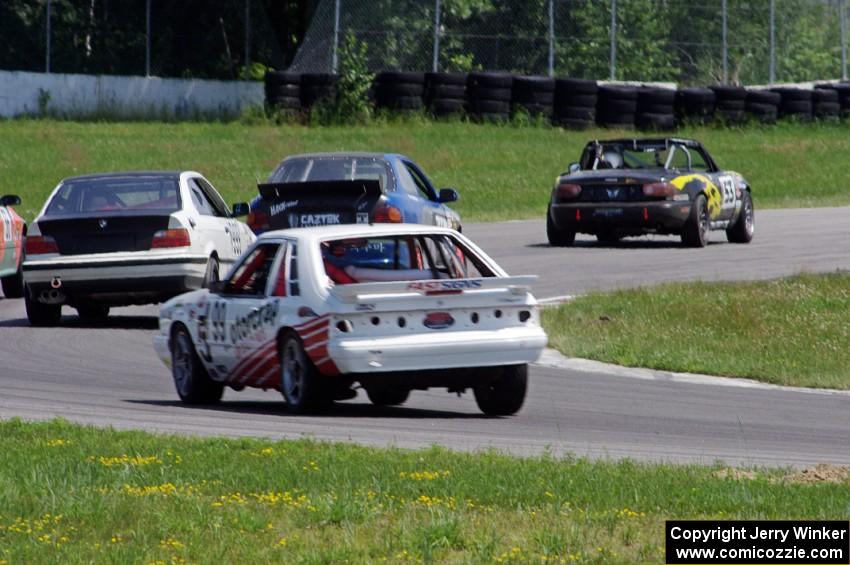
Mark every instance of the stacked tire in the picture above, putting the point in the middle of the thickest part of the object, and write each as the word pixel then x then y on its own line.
pixel 695 105
pixel 489 96
pixel 796 103
pixel 730 104
pixel 843 91
pixel 445 93
pixel 316 87
pixel 400 91
pixel 762 105
pixel 616 106
pixel 825 104
pixel 283 90
pixel 533 95
pixel 574 104
pixel 655 109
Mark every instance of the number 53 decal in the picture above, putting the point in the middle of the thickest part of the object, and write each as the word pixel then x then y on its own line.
pixel 727 187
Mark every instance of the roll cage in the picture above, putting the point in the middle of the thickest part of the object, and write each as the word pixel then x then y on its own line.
pixel 619 153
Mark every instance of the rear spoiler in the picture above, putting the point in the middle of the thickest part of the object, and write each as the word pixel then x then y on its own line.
pixel 289 190
pixel 487 285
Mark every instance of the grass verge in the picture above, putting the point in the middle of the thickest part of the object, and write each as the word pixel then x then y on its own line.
pixel 71 494
pixel 502 171
pixel 790 331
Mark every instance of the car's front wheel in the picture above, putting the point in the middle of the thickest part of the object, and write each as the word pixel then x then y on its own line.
pixel 558 237
pixel 380 396
pixel 193 383
pixel 695 233
pixel 504 394
pixel 745 226
pixel 40 314
pixel 304 388
pixel 13 285
pixel 93 313
pixel 211 275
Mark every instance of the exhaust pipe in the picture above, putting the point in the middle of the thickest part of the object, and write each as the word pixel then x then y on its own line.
pixel 56 282
pixel 52 296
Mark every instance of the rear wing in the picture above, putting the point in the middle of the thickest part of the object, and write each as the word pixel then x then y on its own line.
pixel 374 292
pixel 362 188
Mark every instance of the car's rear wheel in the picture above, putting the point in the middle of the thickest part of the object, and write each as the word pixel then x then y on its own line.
pixel 504 394
pixel 93 313
pixel 13 285
pixel 304 388
pixel 193 383
pixel 745 226
pixel 558 237
pixel 380 396
pixel 211 275
pixel 695 233
pixel 39 314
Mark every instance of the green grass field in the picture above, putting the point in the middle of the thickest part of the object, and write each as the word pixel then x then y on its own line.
pixel 502 172
pixel 791 331
pixel 72 494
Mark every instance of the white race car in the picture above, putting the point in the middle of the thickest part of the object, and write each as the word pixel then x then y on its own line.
pixel 313 311
pixel 127 238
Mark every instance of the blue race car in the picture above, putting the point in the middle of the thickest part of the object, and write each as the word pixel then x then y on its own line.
pixel 320 189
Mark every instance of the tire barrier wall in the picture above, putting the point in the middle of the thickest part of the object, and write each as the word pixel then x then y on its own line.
pixel 567 102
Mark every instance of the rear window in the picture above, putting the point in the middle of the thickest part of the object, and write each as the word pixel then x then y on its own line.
pixel 400 258
pixel 144 194
pixel 326 168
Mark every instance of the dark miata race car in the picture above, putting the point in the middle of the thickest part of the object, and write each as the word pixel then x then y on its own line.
pixel 626 187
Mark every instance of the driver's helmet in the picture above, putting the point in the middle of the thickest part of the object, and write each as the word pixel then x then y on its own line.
pixel 613 158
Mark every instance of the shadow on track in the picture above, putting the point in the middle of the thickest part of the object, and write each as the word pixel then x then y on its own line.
pixel 622 244
pixel 336 410
pixel 74 322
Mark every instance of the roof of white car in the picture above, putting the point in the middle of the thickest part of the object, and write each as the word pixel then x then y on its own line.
pixel 354 230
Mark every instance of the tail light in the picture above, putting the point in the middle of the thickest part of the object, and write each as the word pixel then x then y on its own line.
pixel 659 190
pixel 258 221
pixel 171 238
pixel 40 244
pixel 387 215
pixel 567 191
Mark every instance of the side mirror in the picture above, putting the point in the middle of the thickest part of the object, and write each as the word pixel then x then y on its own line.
pixel 448 195
pixel 574 168
pixel 240 209
pixel 10 200
pixel 218 287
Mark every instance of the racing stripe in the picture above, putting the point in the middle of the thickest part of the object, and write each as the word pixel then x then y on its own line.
pixel 263 366
pixel 249 360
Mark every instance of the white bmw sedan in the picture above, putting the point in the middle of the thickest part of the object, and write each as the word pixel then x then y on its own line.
pixel 127 238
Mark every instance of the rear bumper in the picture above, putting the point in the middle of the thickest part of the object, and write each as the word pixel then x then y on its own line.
pixel 444 350
pixel 629 217
pixel 116 280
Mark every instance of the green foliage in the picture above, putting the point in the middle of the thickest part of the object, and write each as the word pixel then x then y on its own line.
pixel 350 103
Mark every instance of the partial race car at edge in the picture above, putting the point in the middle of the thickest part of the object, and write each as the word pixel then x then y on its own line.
pixel 627 187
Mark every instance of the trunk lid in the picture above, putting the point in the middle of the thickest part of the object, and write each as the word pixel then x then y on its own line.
pixel 108 233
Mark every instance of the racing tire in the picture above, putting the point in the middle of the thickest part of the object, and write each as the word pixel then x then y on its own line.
pixel 505 394
pixel 491 107
pixel 489 79
pixel 211 275
pixel 42 315
pixel 13 285
pixel 435 78
pixel 566 87
pixel 304 388
pixel 656 122
pixel 451 91
pixel 744 227
pixel 575 123
pixel 490 93
pixel 558 237
pixel 695 233
pixel 191 380
pixel 577 100
pixel 387 396
pixel 93 313
pixel 577 113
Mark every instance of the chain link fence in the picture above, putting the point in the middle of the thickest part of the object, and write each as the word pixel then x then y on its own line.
pixel 720 41
pixel 165 38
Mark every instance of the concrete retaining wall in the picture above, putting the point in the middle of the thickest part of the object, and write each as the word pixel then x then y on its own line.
pixel 76 96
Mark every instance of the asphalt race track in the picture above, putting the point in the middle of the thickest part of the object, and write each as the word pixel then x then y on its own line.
pixel 110 376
